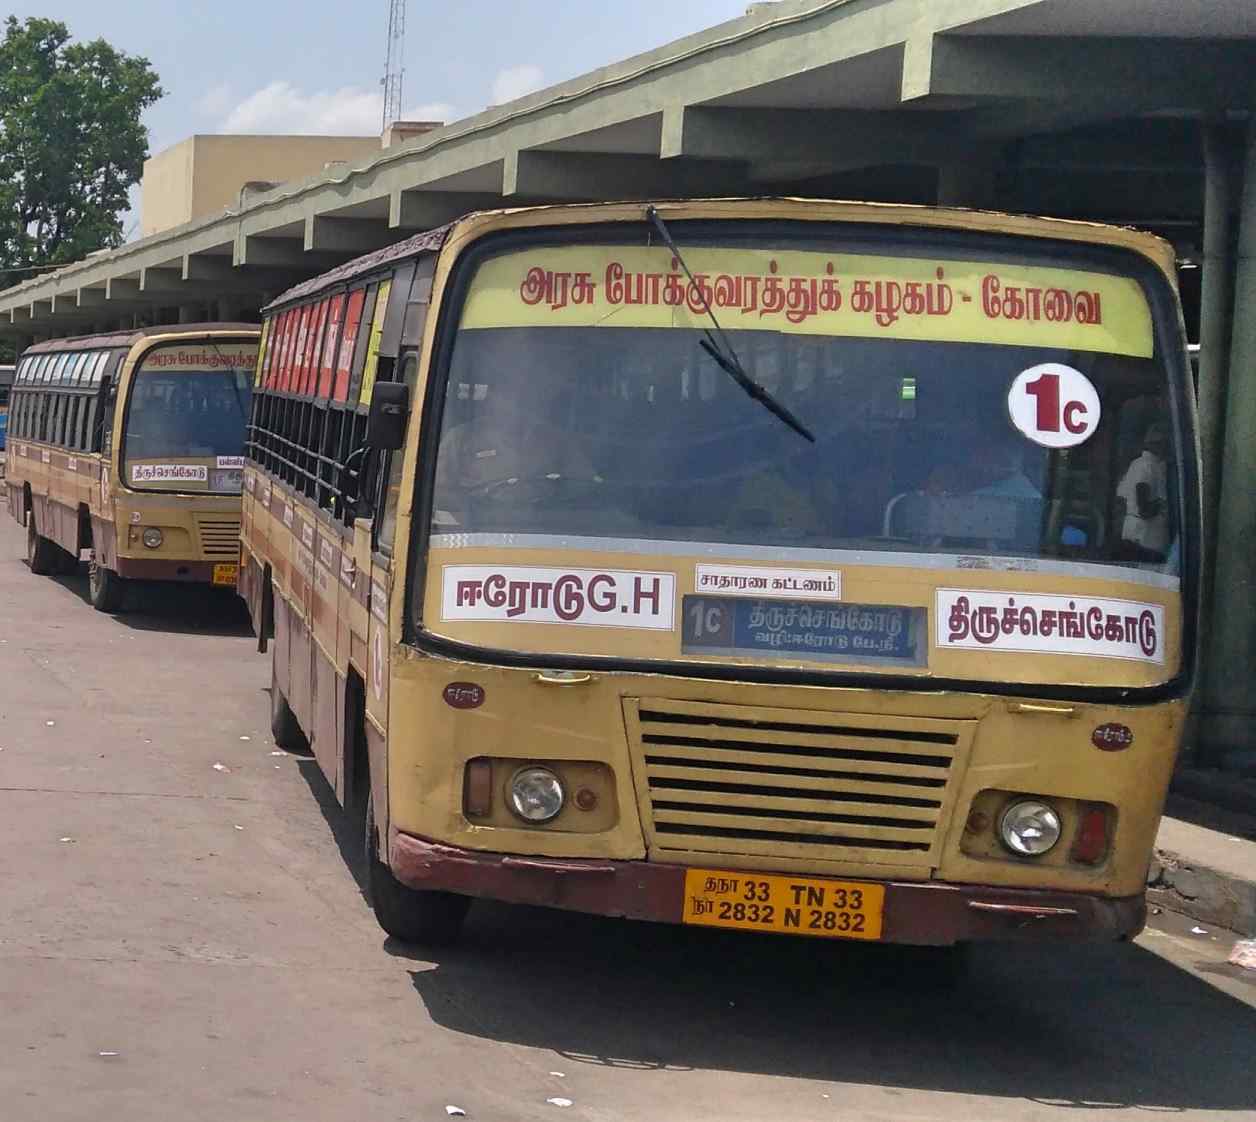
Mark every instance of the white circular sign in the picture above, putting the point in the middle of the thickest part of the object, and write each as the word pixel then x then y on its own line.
pixel 1054 405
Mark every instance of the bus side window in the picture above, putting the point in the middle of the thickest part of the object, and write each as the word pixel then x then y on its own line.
pixel 386 523
pixel 106 432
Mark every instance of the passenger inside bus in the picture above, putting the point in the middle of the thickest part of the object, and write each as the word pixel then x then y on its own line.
pixel 508 452
pixel 636 433
pixel 1143 494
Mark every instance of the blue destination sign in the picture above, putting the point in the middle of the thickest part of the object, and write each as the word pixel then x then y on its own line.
pixel 843 632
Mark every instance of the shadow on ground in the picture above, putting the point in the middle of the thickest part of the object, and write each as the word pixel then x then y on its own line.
pixel 186 609
pixel 347 829
pixel 1099 1026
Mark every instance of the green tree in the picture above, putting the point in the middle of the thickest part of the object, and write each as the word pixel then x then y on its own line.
pixel 71 144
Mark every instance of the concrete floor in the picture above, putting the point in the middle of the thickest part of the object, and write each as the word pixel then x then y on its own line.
pixel 183 942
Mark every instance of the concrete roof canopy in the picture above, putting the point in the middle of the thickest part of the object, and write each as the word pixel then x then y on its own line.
pixel 1062 107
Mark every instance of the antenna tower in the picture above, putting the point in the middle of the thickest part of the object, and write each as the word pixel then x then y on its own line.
pixel 394 62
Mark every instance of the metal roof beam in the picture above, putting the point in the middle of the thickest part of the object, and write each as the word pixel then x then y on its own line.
pixel 425 210
pixel 168 285
pixel 1109 76
pixel 354 236
pixel 782 142
pixel 274 252
pixel 124 290
pixel 578 176
pixel 216 272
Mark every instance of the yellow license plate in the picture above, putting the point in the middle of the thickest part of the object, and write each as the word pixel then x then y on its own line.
pixel 832 909
pixel 226 574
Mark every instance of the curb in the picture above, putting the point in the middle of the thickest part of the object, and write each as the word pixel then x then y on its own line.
pixel 1201 892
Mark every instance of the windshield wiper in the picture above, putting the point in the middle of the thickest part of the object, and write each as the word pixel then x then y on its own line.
pixel 718 346
pixel 235 388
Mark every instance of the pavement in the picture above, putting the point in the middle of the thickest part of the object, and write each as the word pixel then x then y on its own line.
pixel 183 936
pixel 1207 874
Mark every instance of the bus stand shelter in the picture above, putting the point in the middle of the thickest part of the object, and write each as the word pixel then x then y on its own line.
pixel 1136 112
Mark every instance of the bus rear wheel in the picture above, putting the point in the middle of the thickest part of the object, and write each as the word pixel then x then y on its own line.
pixel 106 589
pixel 41 553
pixel 411 915
pixel 285 729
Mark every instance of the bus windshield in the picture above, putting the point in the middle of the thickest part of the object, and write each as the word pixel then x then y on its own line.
pixel 185 418
pixel 998 438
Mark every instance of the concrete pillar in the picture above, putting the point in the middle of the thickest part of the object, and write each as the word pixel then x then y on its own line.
pixel 1221 193
pixel 1228 728
pixel 189 313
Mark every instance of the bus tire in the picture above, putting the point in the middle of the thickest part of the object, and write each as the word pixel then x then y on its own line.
pixel 411 915
pixel 105 588
pixel 285 729
pixel 41 552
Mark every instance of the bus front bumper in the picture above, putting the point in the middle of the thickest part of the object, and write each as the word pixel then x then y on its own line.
pixel 173 569
pixel 926 912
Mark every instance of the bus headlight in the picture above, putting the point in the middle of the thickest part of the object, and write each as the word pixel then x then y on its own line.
pixel 536 794
pixel 1029 828
pixel 152 537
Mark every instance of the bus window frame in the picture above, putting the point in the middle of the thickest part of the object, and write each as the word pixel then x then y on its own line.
pixel 136 358
pixel 853 238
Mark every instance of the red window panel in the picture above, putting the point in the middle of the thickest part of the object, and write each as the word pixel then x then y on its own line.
pixel 331 337
pixel 274 343
pixel 298 349
pixel 275 380
pixel 344 361
pixel 313 337
pixel 272 352
pixel 278 345
pixel 318 319
pixel 283 362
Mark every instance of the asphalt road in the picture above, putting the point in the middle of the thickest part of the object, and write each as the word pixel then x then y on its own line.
pixel 183 940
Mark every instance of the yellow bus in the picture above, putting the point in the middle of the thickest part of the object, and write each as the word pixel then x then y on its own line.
pixel 799 567
pixel 130 445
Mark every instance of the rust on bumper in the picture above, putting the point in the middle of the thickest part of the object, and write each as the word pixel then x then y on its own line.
pixel 153 568
pixel 927 912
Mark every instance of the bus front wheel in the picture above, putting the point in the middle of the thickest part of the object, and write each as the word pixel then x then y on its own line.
pixel 413 916
pixel 41 552
pixel 106 589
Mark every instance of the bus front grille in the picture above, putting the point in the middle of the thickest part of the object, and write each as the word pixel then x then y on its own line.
pixel 220 537
pixel 796 784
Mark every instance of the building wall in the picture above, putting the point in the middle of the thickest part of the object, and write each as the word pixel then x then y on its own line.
pixel 203 175
pixel 166 189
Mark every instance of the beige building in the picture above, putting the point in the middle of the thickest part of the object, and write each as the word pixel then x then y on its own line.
pixel 203 175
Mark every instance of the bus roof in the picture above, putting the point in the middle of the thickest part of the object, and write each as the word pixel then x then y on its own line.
pixel 791 209
pixel 428 241
pixel 126 338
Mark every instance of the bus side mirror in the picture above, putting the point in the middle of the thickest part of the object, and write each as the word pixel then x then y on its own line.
pixel 386 422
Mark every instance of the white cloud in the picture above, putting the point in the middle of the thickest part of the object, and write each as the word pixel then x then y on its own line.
pixel 517 81
pixel 281 107
pixel 216 100
pixel 432 111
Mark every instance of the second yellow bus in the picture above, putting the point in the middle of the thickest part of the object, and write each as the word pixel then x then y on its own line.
pixel 130 445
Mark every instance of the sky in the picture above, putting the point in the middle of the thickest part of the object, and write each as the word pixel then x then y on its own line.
pixel 313 66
